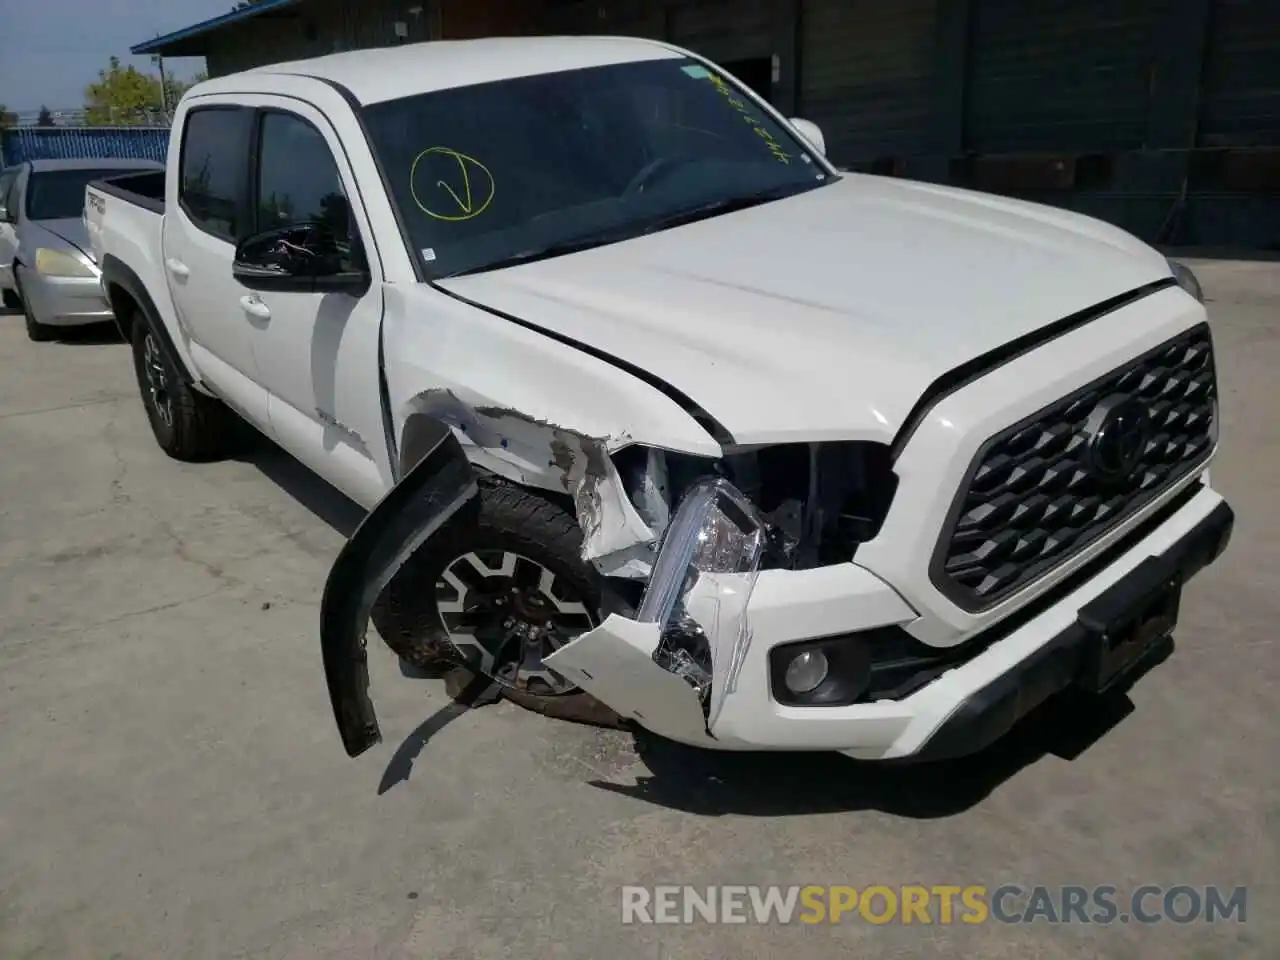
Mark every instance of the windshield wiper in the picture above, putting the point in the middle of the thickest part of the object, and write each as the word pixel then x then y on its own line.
pixel 716 208
pixel 572 245
pixel 640 228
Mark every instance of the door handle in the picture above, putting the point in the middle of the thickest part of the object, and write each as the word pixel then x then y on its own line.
pixel 255 307
pixel 178 268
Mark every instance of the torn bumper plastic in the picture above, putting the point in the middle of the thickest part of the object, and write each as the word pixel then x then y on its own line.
pixel 440 486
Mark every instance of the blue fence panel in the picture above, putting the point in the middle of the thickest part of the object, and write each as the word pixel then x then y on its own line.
pixel 19 144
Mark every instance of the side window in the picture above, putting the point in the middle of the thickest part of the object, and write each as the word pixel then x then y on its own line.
pixel 298 180
pixel 215 151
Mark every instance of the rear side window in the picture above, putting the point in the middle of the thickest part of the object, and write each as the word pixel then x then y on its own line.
pixel 215 165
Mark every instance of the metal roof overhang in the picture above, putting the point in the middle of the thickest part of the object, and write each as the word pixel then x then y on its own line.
pixel 193 41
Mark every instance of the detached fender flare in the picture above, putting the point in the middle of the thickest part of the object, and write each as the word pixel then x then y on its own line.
pixel 116 272
pixel 440 487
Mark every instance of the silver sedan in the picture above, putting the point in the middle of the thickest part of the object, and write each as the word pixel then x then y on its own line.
pixel 46 263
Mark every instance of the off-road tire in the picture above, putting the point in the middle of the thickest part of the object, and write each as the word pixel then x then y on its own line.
pixel 509 518
pixel 201 428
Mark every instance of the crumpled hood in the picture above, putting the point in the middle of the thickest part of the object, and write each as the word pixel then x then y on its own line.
pixel 71 231
pixel 825 315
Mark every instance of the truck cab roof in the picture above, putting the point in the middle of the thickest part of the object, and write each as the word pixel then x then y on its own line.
pixel 388 73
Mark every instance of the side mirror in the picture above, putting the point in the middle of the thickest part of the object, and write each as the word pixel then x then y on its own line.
pixel 301 258
pixel 811 132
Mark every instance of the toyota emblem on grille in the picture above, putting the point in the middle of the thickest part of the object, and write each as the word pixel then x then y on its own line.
pixel 1118 430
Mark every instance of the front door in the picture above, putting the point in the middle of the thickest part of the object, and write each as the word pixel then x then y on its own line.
pixel 318 353
pixel 206 212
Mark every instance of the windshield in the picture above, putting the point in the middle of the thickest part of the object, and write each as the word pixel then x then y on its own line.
pixel 59 194
pixel 503 172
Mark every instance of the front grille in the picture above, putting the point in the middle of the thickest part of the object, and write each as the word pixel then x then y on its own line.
pixel 1033 497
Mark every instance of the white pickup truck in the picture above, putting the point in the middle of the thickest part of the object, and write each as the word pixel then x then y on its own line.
pixel 654 408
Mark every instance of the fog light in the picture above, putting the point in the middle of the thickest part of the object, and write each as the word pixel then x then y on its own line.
pixel 805 671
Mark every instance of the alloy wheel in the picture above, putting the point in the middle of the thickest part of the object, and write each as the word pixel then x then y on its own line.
pixel 504 613
pixel 157 380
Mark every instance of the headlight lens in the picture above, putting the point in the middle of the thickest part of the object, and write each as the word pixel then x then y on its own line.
pixel 56 263
pixel 1186 279
pixel 703 578
pixel 715 530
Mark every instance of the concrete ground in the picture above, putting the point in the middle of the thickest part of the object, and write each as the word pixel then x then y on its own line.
pixel 172 785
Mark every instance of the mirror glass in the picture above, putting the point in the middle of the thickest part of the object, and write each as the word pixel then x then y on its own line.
pixel 304 250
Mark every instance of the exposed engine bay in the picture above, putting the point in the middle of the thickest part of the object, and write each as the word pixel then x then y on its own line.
pixel 817 500
pixel 792 506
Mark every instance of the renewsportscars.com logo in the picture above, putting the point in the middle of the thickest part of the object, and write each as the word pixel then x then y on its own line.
pixel 939 904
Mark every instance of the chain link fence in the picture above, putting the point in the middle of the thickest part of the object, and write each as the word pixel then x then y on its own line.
pixel 66 141
pixel 82 117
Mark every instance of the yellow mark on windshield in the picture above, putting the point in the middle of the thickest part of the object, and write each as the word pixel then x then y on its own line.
pixel 744 111
pixel 463 188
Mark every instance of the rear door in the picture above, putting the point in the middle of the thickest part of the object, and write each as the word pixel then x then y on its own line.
pixel 207 210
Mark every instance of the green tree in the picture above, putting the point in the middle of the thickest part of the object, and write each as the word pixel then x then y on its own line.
pixel 174 89
pixel 7 117
pixel 122 95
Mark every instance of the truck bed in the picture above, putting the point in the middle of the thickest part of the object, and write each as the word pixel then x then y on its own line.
pixel 124 217
pixel 146 189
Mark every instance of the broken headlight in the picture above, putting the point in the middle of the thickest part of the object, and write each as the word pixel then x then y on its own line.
pixel 700 586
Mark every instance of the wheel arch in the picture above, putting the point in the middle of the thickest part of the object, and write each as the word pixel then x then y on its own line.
pixel 128 297
pixel 566 467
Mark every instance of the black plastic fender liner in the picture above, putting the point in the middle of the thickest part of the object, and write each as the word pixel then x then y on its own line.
pixel 118 273
pixel 439 487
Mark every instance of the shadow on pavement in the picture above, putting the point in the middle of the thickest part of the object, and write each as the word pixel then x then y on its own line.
pixel 92 334
pixel 326 503
pixel 789 784
pixel 467 691
pixel 785 784
pixel 779 784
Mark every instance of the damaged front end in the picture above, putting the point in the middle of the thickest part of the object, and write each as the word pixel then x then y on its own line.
pixel 691 622
pixel 440 487
pixel 680 539
pixel 786 507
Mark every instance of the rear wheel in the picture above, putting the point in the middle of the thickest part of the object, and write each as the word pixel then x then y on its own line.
pixel 186 424
pixel 498 597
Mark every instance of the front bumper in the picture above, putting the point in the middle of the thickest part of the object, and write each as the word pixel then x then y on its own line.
pixel 65 301
pixel 960 711
pixel 987 714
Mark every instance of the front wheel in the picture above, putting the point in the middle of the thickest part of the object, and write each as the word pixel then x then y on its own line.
pixel 499 596
pixel 37 332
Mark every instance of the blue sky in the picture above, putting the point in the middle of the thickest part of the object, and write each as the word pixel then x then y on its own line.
pixel 51 49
